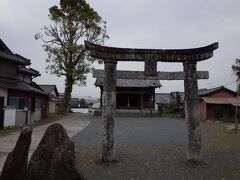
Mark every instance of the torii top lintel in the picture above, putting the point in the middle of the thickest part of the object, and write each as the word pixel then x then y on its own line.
pixel 164 55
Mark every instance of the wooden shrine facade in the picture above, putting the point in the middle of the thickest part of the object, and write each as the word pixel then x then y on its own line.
pixel 135 98
pixel 189 59
pixel 132 93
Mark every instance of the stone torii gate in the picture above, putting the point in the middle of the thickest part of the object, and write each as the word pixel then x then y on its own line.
pixel 189 58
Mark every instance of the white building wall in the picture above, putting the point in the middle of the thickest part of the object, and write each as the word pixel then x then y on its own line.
pixel 9 117
pixel 156 106
pixel 52 106
pixel 53 94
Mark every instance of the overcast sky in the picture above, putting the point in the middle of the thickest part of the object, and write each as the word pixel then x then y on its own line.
pixel 137 24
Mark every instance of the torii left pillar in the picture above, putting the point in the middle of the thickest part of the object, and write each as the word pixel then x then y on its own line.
pixel 108 111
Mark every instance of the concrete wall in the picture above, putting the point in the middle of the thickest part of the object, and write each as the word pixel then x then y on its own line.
pixel 20 118
pixel 3 93
pixel 52 106
pixel 36 116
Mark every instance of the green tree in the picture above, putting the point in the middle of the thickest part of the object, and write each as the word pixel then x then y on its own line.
pixel 236 70
pixel 72 22
pixel 178 99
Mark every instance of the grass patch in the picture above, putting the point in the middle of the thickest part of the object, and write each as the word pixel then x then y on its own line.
pixel 233 131
pixel 170 115
pixel 89 156
pixel 51 118
pixel 219 136
pixel 4 132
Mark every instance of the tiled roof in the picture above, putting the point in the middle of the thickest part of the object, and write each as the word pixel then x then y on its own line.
pixel 15 58
pixel 3 47
pixel 16 84
pixel 232 101
pixel 166 98
pixel 49 88
pixel 29 71
pixel 205 92
pixel 7 54
pixel 132 83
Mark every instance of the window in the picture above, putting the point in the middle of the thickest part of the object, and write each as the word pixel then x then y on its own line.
pixel 17 102
pixel 35 104
pixel 21 103
pixel 13 102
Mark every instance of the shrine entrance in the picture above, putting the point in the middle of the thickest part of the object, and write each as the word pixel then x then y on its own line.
pixel 190 75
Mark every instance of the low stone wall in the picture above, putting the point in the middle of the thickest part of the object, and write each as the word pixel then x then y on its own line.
pixel 20 118
pixel 36 116
pixel 129 112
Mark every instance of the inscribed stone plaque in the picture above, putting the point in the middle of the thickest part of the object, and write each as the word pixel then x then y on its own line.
pixel 150 68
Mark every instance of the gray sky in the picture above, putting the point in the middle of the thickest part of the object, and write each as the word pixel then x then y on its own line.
pixel 137 24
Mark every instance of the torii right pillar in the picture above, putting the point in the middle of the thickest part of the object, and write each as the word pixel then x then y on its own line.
pixel 194 143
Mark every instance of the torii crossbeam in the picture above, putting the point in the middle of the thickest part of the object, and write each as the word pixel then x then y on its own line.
pixel 189 58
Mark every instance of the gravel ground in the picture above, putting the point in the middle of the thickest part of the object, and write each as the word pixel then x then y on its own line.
pixel 160 162
pixel 140 131
pixel 154 148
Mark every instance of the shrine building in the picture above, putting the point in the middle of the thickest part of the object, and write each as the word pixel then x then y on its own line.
pixel 133 93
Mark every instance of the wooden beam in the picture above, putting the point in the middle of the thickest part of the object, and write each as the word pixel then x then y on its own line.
pixel 164 55
pixel 97 73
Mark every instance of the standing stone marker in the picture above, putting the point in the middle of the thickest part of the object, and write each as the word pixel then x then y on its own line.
pixel 54 158
pixel 15 166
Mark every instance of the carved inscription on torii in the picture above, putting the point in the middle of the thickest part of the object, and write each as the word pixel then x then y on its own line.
pixel 189 58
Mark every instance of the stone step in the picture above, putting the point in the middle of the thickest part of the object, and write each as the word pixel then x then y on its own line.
pixel 130 113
